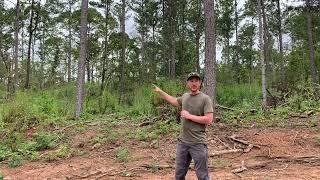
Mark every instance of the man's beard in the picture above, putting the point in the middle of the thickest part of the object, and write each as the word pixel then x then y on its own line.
pixel 194 89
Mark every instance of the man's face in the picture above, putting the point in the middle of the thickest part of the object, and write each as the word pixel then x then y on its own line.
pixel 194 84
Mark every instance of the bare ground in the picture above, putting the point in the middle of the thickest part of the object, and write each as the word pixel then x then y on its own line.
pixel 283 153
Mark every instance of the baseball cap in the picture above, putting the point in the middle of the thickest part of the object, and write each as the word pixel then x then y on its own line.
pixel 193 74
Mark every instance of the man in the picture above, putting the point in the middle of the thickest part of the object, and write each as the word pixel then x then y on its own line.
pixel 196 114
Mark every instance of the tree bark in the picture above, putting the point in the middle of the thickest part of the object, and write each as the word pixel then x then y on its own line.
pixel 31 38
pixel 210 49
pixel 314 72
pixel 183 34
pixel 123 50
pixel 69 44
pixel 83 56
pixel 16 45
pixel 105 60
pixel 172 27
pixel 26 86
pixel 262 56
pixel 143 39
pixel 198 34
pixel 265 39
pixel 88 55
pixel 282 75
pixel 42 57
pixel 237 63
pixel 154 62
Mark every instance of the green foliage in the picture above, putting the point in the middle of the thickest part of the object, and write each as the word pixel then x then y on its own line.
pixel 241 95
pixel 141 135
pixel 63 151
pixel 155 166
pixel 142 100
pixel 112 137
pixel 15 160
pixel 4 152
pixel 107 102
pixel 122 154
pixel 18 115
pixel 314 123
pixel 303 99
pixel 45 140
pixel 13 140
pixel 162 128
pixel 109 137
pixel 317 138
pixel 96 103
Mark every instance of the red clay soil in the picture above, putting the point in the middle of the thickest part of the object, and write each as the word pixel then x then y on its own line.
pixel 283 154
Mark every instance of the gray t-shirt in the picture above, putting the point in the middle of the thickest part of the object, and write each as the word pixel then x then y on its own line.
pixel 199 105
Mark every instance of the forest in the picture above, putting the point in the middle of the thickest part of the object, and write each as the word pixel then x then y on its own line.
pixel 76 86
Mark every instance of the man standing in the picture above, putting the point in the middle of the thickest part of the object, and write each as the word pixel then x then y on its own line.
pixel 196 114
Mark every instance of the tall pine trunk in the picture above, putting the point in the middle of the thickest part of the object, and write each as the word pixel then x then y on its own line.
pixel 210 49
pixel 265 40
pixel 282 75
pixel 16 45
pixel 313 69
pixel 143 52
pixel 26 86
pixel 198 34
pixel 105 57
pixel 237 63
pixel 123 50
pixel 262 56
pixel 172 29
pixel 83 56
pixel 69 44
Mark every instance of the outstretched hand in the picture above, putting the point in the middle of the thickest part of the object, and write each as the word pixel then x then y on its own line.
pixel 156 89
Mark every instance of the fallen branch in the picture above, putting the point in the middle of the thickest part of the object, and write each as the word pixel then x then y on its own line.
pixel 286 166
pixel 254 166
pixel 88 175
pixel 66 127
pixel 112 114
pixel 248 148
pixel 233 138
pixel 168 166
pixel 152 121
pixel 299 159
pixel 294 159
pixel 299 115
pixel 116 173
pixel 217 153
pixel 223 107
pixel 150 166
pixel 226 145
pixel 241 169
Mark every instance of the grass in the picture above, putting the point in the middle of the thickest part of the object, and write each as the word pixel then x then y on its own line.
pixel 52 109
pixel 122 154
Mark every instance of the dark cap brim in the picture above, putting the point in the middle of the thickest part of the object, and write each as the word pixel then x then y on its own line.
pixel 193 77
